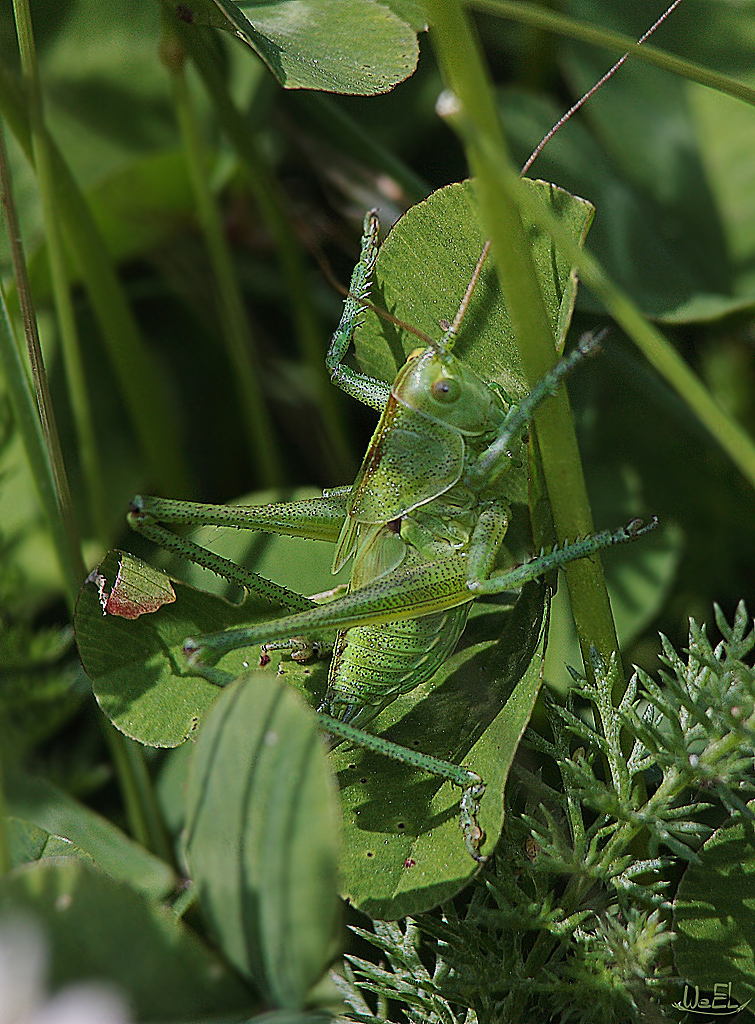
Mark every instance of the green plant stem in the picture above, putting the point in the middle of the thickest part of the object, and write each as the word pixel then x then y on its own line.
pixel 142 809
pixel 36 420
pixel 271 206
pixel 135 369
pixel 237 335
pixel 72 358
pixel 540 17
pixel 461 63
pixel 738 445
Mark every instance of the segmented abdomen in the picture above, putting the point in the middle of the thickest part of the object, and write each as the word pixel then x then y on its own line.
pixel 374 664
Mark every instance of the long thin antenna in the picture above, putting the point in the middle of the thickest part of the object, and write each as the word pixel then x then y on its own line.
pixel 447 342
pixel 449 337
pixel 583 99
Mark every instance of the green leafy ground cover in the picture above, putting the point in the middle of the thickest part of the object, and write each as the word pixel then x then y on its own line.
pixel 205 189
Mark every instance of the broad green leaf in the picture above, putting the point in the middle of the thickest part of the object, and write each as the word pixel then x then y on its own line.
pixel 139 678
pixel 726 134
pixel 359 47
pixel 28 843
pixel 127 660
pixel 653 246
pixel 410 11
pixel 262 835
pixel 101 929
pixel 50 809
pixel 668 246
pixel 137 667
pixel 403 850
pixel 447 717
pixel 714 914
pixel 424 267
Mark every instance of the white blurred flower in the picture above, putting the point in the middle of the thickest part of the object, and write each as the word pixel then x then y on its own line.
pixel 23 997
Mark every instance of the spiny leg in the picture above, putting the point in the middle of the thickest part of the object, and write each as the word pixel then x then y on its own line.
pixel 368 390
pixel 314 518
pixel 424 588
pixel 471 785
pixel 569 551
pixel 495 460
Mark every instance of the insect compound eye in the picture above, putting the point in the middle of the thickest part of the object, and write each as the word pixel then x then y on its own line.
pixel 446 390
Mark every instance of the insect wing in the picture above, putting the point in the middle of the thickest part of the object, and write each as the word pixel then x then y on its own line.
pixel 411 460
pixel 379 553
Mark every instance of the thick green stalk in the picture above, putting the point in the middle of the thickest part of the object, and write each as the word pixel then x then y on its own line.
pixel 237 334
pixel 71 348
pixel 461 63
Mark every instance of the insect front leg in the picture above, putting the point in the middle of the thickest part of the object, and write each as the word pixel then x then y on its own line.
pixel 493 462
pixel 569 551
pixel 368 390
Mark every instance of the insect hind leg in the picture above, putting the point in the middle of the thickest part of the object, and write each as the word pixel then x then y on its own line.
pixel 471 785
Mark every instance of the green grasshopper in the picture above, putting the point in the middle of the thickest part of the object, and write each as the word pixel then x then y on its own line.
pixel 423 524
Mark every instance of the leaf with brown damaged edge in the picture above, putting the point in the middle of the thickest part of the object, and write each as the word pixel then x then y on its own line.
pixel 139 589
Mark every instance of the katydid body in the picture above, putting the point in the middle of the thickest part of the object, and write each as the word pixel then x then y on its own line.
pixel 423 523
